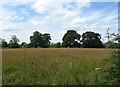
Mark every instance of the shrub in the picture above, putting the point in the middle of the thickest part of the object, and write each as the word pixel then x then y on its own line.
pixel 113 77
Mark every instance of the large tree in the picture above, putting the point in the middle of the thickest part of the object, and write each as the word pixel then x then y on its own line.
pixel 46 40
pixel 36 40
pixel 91 40
pixel 71 39
pixel 40 40
pixel 14 42
pixel 3 43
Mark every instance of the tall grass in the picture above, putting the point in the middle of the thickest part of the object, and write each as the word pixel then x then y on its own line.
pixel 53 66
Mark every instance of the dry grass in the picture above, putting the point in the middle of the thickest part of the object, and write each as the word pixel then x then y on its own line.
pixel 53 65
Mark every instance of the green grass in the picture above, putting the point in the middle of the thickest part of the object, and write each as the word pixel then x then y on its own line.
pixel 54 66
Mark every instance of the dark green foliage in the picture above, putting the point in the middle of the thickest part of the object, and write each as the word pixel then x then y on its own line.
pixel 36 40
pixel 52 45
pixel 114 72
pixel 117 38
pixel 29 45
pixel 71 39
pixel 13 42
pixel 23 45
pixel 56 45
pixel 3 43
pixel 91 40
pixel 46 40
pixel 13 45
pixel 40 40
pixel 114 41
pixel 112 44
pixel 113 77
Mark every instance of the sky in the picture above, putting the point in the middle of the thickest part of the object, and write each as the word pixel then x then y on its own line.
pixel 23 17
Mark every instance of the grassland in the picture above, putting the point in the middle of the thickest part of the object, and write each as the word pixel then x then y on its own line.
pixel 54 66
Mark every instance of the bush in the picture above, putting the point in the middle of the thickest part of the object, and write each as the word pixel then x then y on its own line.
pixel 113 77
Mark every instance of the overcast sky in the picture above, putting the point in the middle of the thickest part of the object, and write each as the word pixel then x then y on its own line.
pixel 23 17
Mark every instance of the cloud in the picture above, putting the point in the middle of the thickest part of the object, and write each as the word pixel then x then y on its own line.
pixel 58 15
pixel 24 17
pixel 61 12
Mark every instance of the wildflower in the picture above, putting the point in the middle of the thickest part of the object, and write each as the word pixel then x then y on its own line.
pixel 96 69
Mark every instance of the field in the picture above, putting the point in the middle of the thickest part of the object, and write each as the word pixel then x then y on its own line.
pixel 53 66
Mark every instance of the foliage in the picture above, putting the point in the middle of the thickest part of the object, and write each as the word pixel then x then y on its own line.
pixel 113 77
pixel 46 40
pixel 114 40
pixel 91 40
pixel 110 44
pixel 71 39
pixel 13 42
pixel 23 45
pixel 36 40
pixel 40 40
pixel 3 43
pixel 0 43
pixel 56 45
pixel 114 71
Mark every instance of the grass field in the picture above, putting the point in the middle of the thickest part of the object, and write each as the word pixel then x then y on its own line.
pixel 53 66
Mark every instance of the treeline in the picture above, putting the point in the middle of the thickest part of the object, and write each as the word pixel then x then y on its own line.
pixel 71 39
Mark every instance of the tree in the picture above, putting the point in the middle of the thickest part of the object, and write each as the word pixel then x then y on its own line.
pixel 117 38
pixel 108 34
pixel 112 38
pixel 56 45
pixel 36 40
pixel 113 76
pixel 29 45
pixel 52 45
pixel 71 39
pixel 113 41
pixel 14 42
pixel 23 45
pixel 0 43
pixel 113 73
pixel 91 40
pixel 40 40
pixel 3 43
pixel 46 40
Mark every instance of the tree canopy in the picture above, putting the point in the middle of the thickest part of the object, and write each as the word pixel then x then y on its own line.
pixel 71 39
pixel 91 40
pixel 14 42
pixel 23 45
pixel 40 40
pixel 3 43
pixel 56 45
pixel 46 40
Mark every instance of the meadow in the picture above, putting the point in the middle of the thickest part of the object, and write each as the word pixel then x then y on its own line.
pixel 54 66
